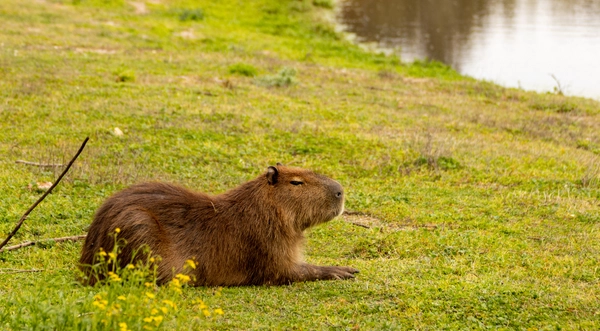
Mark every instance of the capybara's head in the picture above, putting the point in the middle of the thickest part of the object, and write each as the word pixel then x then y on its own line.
pixel 305 196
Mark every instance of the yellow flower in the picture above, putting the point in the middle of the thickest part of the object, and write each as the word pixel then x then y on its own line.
pixel 157 320
pixel 183 278
pixel 164 310
pixel 122 297
pixel 175 283
pixel 114 277
pixel 101 304
pixel 148 284
pixel 219 311
pixel 112 255
pixel 102 253
pixel 152 259
pixel 150 295
pixel 206 313
pixel 147 319
pixel 123 326
pixel 170 303
pixel 130 266
pixel 153 311
pixel 203 306
pixel 191 264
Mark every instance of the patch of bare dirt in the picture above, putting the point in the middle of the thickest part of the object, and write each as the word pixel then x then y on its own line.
pixel 367 221
pixel 95 50
pixel 140 7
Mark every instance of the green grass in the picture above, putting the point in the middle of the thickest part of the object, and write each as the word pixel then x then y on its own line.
pixel 482 202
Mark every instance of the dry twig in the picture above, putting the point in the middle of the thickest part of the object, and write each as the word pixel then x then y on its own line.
pixel 355 223
pixel 31 243
pixel 41 165
pixel 18 226
pixel 17 271
pixel 358 213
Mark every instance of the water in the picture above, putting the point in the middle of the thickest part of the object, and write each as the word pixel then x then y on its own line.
pixel 534 44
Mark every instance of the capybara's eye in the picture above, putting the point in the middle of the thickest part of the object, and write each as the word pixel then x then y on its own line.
pixel 295 182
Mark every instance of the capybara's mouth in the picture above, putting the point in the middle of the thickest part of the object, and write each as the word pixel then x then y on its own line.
pixel 339 211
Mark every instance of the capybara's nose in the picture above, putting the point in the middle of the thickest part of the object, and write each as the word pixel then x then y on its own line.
pixel 337 190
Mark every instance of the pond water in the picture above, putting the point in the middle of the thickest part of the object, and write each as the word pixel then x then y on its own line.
pixel 534 44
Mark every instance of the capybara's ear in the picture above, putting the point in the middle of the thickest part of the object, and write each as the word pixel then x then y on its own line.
pixel 279 164
pixel 272 174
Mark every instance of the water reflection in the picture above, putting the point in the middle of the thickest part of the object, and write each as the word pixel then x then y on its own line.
pixel 512 42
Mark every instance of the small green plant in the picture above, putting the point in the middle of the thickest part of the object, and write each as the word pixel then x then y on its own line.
pixel 374 248
pixel 196 14
pixel 285 77
pixel 326 30
pixel 323 3
pixel 99 3
pixel 128 298
pixel 124 76
pixel 243 70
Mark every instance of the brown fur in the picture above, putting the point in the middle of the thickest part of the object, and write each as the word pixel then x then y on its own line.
pixel 250 235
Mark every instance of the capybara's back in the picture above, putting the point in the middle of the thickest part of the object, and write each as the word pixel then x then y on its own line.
pixel 250 235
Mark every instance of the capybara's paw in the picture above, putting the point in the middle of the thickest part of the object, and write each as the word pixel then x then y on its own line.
pixel 350 270
pixel 341 272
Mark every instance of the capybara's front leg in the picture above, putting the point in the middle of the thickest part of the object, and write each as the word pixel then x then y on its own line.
pixel 309 272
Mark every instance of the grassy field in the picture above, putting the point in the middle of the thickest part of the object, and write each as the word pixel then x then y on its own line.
pixel 481 203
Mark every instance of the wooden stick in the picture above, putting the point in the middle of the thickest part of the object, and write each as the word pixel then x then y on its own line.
pixel 31 243
pixel 357 213
pixel 18 226
pixel 16 271
pixel 353 223
pixel 42 165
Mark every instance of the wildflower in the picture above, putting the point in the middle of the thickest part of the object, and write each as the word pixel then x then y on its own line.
pixel 122 297
pixel 113 276
pixel 206 313
pixel 117 230
pixel 152 259
pixel 101 304
pixel 164 310
pixel 191 264
pixel 147 284
pixel 176 285
pixel 130 266
pixel 112 255
pixel 123 326
pixel 170 303
pixel 219 311
pixel 150 295
pixel 114 310
pixel 156 319
pixel 183 278
pixel 102 252
pixel 153 311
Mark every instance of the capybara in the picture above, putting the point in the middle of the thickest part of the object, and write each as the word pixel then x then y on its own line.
pixel 250 235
